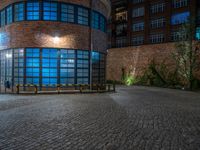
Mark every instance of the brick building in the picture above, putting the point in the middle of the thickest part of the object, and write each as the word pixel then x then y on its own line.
pixel 141 30
pixel 53 42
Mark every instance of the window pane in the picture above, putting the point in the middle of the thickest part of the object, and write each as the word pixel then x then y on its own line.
pixel 180 18
pixel 9 12
pixel 50 11
pixel 83 16
pixel 95 20
pixel 3 17
pixel 67 13
pixel 33 11
pixel 19 12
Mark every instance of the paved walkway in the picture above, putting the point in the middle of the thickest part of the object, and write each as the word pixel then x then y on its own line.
pixel 134 118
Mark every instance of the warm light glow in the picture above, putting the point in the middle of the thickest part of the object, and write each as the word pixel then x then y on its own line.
pixel 56 39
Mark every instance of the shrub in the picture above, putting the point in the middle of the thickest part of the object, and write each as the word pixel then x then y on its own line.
pixel 130 80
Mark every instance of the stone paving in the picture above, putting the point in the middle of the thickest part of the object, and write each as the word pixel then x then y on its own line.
pixel 134 118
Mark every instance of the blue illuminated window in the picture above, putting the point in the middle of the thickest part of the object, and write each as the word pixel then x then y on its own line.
pixel 95 20
pixel 95 56
pixel 67 13
pixel 32 72
pixel 49 81
pixel 67 66
pixel 9 13
pixel 33 11
pixel 32 52
pixel 83 54
pixel 49 66
pixel 49 72
pixel 198 33
pixel 3 18
pixel 82 63
pixel 19 12
pixel 67 73
pixel 18 66
pixel 50 53
pixel 32 80
pixel 180 18
pixel 82 67
pixel 32 65
pixel 83 16
pixel 102 24
pixel 50 11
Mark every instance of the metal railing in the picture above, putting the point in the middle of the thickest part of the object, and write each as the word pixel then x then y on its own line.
pixel 64 88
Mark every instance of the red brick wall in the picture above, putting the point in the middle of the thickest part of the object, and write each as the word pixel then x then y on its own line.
pixel 42 33
pixel 136 59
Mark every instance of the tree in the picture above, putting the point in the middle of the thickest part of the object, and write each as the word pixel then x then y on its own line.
pixel 187 53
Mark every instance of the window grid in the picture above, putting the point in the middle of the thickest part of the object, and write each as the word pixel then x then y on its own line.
pixel 3 18
pixel 32 65
pixel 157 38
pixel 138 26
pixel 137 1
pixel 18 66
pixel 49 11
pixel 67 66
pixel 83 16
pixel 95 20
pixel 67 13
pixel 180 18
pixel 180 3
pixel 157 8
pixel 19 12
pixel 157 23
pixel 33 11
pixel 138 12
pixel 9 13
pixel 138 40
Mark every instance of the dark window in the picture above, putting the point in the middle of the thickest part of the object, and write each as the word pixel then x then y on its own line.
pixel 50 11
pixel 33 11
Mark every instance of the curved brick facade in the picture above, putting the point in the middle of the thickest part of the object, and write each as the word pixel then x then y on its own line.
pixel 48 43
pixel 41 33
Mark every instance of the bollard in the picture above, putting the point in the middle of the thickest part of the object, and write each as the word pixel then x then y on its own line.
pixel 17 88
pixel 81 89
pixel 35 89
pixel 114 87
pixel 98 88
pixel 58 89
pixel 108 87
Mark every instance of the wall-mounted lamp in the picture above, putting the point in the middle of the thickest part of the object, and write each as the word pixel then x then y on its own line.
pixel 8 55
pixel 56 39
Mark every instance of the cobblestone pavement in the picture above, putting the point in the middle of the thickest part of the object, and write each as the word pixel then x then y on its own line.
pixel 134 118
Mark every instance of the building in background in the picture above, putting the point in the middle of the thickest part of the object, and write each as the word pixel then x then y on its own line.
pixel 140 30
pixel 49 42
